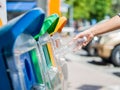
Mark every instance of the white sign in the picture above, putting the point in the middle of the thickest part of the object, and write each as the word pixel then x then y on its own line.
pixel 3 12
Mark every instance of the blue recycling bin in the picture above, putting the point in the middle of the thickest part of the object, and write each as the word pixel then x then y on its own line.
pixel 16 44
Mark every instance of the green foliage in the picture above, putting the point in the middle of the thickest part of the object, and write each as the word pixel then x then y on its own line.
pixel 89 9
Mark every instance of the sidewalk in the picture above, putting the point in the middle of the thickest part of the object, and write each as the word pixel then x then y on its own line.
pixel 82 77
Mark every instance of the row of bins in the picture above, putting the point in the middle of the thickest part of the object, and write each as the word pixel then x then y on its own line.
pixel 28 53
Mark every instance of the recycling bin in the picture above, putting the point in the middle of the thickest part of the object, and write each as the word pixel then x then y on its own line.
pixel 56 40
pixel 17 43
pixel 44 44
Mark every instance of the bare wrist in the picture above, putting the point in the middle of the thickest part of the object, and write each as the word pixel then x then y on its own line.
pixel 92 31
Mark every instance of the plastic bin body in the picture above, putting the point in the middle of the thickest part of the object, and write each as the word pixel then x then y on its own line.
pixel 17 69
pixel 51 70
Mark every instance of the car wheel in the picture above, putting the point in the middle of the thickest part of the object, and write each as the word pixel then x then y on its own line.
pixel 115 57
pixel 106 60
pixel 92 52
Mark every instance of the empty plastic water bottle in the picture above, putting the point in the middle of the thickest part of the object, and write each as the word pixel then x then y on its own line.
pixel 72 46
pixel 78 43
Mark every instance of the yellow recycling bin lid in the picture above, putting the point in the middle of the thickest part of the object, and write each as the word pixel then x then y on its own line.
pixel 61 23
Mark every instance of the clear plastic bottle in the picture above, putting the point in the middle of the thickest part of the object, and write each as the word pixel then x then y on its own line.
pixel 72 46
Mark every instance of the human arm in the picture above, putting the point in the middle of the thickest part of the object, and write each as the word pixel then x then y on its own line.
pixel 110 25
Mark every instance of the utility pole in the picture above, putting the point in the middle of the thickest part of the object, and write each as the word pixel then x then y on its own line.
pixel 43 4
pixel 54 7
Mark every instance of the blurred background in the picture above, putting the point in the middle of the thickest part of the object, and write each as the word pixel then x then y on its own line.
pixel 96 66
pixel 75 10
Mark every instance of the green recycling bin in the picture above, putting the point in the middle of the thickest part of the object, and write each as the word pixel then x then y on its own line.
pixel 43 39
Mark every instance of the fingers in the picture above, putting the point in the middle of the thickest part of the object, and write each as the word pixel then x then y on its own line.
pixel 85 43
pixel 80 35
pixel 88 34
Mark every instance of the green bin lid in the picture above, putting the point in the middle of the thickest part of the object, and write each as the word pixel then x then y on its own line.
pixel 49 25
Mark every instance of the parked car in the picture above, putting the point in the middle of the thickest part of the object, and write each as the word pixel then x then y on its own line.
pixel 109 47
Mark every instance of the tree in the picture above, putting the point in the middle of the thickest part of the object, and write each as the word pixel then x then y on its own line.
pixel 88 9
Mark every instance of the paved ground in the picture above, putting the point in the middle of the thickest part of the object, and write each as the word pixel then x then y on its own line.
pixel 85 75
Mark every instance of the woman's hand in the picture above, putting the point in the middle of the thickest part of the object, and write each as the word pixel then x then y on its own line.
pixel 88 34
